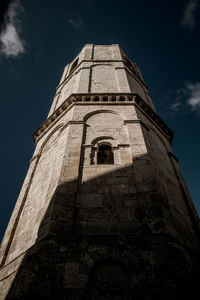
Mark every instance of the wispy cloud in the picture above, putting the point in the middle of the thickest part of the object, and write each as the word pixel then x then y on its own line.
pixel 194 95
pixel 189 16
pixel 186 99
pixel 75 22
pixel 10 42
pixel 177 99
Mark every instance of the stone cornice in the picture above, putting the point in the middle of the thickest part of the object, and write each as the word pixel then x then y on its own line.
pixel 104 98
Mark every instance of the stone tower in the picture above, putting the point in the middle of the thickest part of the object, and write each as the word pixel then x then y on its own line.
pixel 104 212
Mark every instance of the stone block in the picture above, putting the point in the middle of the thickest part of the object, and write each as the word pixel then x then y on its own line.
pixel 90 200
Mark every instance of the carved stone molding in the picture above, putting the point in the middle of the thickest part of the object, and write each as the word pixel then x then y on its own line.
pixel 105 98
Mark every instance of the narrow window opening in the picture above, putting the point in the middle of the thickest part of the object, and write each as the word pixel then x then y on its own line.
pixel 75 63
pixel 130 65
pixel 105 155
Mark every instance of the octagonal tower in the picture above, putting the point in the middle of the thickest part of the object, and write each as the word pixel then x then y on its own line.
pixel 104 212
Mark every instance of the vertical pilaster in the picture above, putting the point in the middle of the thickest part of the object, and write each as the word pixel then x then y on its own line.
pixel 88 52
pixel 84 81
pixel 71 162
pixel 122 80
pixel 116 52
pixel 137 142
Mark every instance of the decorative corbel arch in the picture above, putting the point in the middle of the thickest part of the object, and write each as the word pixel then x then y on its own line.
pixel 104 139
pixel 94 112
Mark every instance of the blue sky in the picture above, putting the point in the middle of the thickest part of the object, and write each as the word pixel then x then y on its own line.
pixel 38 38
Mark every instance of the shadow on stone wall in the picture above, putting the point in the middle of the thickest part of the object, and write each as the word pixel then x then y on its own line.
pixel 113 237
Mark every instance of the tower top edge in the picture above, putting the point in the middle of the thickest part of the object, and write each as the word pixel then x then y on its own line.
pixel 100 45
pixel 94 52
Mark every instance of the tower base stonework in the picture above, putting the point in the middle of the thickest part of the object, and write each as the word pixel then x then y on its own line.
pixel 105 268
pixel 104 212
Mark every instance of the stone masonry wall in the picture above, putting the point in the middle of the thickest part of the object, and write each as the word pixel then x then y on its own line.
pixel 83 229
pixel 70 194
pixel 99 69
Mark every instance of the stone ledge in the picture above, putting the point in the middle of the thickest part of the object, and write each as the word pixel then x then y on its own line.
pixel 104 98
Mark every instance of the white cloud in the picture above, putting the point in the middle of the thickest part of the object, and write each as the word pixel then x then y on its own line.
pixel 76 23
pixel 188 21
pixel 194 95
pixel 11 43
pixel 186 98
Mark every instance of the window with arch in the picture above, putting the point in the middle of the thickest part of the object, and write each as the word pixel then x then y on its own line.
pixel 105 155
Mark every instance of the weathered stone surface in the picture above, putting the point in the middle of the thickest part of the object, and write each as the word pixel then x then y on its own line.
pixel 84 230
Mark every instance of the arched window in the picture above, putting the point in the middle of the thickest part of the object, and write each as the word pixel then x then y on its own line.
pixel 105 155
